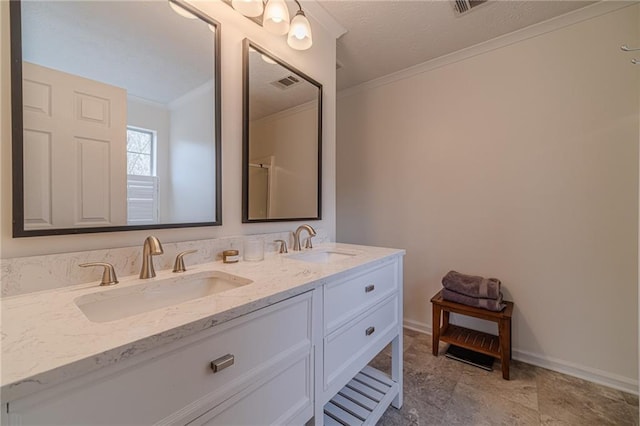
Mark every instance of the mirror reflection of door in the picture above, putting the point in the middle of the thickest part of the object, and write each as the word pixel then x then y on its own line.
pixel 73 121
pixel 283 125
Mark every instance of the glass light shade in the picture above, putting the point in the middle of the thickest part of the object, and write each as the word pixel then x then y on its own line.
pixel 276 17
pixel 250 8
pixel 300 32
pixel 182 12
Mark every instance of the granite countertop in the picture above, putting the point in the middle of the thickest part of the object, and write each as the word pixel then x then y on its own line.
pixel 47 339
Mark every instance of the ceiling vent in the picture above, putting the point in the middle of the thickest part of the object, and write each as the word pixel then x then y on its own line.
pixel 286 82
pixel 462 7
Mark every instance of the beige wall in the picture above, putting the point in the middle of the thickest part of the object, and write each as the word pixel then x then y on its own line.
pixel 290 137
pixel 520 162
pixel 317 62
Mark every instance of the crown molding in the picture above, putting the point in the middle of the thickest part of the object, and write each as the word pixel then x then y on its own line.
pixel 535 30
pixel 314 9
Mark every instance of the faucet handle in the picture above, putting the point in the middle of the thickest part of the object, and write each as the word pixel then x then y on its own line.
pixel 283 246
pixel 307 242
pixel 178 265
pixel 108 275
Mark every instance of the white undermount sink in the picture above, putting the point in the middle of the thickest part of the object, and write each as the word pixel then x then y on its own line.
pixel 322 256
pixel 117 303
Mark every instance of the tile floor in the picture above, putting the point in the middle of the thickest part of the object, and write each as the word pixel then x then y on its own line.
pixel 441 391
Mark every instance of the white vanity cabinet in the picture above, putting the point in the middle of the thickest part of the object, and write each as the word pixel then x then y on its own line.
pixel 362 313
pixel 293 355
pixel 265 363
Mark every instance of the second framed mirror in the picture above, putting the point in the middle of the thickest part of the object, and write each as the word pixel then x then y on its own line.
pixel 282 140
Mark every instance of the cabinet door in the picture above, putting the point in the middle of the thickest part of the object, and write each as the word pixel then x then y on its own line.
pixel 283 398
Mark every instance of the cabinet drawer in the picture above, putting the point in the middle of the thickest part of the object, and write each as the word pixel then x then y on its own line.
pixel 347 298
pixel 353 346
pixel 177 384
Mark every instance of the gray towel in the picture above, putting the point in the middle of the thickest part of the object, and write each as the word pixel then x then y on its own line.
pixel 490 304
pixel 470 285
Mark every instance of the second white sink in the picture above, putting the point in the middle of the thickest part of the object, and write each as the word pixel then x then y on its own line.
pixel 118 303
pixel 322 256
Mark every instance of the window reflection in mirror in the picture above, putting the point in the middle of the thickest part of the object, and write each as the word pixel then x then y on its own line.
pixel 120 117
pixel 282 140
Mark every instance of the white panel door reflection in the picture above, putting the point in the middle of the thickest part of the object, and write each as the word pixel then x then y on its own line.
pixel 75 150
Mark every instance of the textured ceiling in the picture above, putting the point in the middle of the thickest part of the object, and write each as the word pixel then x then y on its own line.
pixel 384 36
pixel 265 97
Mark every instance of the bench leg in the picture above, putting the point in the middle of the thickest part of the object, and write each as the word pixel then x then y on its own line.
pixel 504 330
pixel 435 328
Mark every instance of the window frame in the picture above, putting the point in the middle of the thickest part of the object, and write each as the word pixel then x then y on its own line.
pixel 153 154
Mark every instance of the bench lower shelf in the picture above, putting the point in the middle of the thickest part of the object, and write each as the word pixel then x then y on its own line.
pixel 474 340
pixel 362 401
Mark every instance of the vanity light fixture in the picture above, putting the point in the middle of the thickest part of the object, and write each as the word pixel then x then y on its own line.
pixel 275 19
pixel 181 11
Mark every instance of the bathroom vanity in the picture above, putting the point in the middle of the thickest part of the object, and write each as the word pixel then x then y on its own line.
pixel 287 340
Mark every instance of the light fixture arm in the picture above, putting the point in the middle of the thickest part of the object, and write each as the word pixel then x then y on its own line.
pixel 300 11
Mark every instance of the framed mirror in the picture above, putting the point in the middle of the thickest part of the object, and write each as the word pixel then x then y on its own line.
pixel 115 116
pixel 282 140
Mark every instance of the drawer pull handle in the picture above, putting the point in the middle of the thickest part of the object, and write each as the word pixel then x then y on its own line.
pixel 222 363
pixel 369 331
pixel 369 288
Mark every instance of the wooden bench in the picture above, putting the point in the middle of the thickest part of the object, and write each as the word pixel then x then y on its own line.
pixel 496 346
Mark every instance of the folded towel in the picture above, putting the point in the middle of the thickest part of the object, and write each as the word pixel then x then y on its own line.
pixel 470 285
pixel 490 304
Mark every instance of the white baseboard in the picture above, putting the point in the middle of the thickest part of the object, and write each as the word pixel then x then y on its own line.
pixel 418 326
pixel 601 377
pixel 587 373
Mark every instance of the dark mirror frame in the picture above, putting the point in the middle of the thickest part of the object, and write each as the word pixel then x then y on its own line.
pixel 245 133
pixel 17 136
